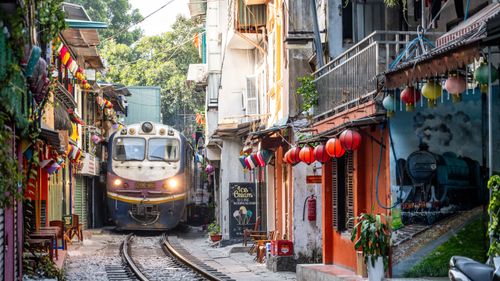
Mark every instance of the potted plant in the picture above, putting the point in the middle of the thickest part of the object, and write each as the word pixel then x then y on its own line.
pixel 214 232
pixel 374 241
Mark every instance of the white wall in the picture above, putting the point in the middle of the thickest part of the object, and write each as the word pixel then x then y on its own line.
pixel 307 237
pixel 230 171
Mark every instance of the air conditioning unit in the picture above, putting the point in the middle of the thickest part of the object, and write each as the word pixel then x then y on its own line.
pixel 197 73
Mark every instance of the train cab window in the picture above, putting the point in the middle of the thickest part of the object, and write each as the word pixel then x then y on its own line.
pixel 127 149
pixel 163 150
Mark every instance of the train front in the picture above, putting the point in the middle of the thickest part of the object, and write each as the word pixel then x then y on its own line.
pixel 145 180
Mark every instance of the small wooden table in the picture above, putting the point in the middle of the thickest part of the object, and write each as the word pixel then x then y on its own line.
pixel 58 231
pixel 47 234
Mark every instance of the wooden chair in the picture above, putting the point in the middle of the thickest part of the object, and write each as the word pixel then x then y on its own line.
pixel 75 229
pixel 248 232
pixel 60 233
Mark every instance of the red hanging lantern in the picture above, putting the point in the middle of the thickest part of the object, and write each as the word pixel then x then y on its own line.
pixel 350 139
pixel 306 155
pixel 334 148
pixel 410 96
pixel 285 157
pixel 293 155
pixel 320 154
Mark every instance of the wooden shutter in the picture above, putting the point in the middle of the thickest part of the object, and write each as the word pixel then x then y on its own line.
pixel 335 197
pixel 349 190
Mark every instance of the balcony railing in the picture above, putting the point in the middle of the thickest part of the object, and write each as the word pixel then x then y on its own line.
pixel 351 76
pixel 249 18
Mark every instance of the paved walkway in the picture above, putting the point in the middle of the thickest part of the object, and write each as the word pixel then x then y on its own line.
pixel 232 260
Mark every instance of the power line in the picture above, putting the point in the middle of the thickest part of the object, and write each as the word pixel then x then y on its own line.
pixel 126 28
pixel 164 52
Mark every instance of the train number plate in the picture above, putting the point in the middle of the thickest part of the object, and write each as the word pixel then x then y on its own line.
pixel 145 185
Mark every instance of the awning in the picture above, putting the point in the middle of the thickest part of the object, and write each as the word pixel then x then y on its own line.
pixel 232 130
pixel 82 36
pixel 51 137
pixel 455 49
pixel 358 123
pixel 266 132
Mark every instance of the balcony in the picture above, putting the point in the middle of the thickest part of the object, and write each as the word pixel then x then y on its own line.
pixel 350 78
pixel 246 31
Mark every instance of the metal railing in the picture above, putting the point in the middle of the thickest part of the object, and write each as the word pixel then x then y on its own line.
pixel 352 75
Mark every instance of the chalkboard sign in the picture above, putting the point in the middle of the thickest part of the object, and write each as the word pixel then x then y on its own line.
pixel 242 213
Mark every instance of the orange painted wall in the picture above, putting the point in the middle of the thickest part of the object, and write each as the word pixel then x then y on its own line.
pixel 366 158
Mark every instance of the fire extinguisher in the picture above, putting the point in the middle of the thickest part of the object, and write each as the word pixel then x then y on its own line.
pixel 311 208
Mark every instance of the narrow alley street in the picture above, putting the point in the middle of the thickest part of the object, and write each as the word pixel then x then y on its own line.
pixel 250 140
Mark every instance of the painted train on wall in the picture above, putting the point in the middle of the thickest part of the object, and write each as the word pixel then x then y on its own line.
pixel 149 178
pixel 439 169
pixel 440 184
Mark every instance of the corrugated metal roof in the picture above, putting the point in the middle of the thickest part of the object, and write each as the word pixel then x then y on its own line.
pixel 473 24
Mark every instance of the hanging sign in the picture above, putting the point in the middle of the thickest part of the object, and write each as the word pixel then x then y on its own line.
pixel 242 211
pixel 312 179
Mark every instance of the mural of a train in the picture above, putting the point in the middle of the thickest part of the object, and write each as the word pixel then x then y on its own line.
pixel 440 184
pixel 149 177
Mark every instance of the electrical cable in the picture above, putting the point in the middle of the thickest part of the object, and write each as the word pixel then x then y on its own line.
pixel 467 10
pixel 398 200
pixel 136 23
pixel 173 48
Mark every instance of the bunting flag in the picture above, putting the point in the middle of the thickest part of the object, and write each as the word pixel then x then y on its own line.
pixel 104 103
pixel 72 65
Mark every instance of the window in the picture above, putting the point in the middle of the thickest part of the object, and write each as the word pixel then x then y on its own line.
pixel 163 150
pixel 343 193
pixel 127 149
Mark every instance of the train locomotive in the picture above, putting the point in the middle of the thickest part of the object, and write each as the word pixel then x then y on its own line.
pixel 149 177
pixel 440 185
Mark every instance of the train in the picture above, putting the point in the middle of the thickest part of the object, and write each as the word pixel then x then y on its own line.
pixel 149 177
pixel 441 184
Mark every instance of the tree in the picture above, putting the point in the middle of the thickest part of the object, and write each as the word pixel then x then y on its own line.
pixel 118 14
pixel 161 60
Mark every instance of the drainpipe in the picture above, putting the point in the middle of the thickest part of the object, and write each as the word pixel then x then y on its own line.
pixel 490 127
pixel 317 39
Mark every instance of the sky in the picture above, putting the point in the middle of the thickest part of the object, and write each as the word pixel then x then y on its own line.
pixel 163 19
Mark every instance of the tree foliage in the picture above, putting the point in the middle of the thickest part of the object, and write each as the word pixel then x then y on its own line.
pixel 161 60
pixel 118 14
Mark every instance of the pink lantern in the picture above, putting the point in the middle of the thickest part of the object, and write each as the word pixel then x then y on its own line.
pixel 209 169
pixel 455 85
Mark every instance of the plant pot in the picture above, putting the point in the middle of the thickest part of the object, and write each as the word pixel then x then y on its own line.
pixel 375 272
pixel 215 237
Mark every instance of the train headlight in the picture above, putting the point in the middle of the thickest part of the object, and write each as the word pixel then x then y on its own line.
pixel 117 182
pixel 147 127
pixel 172 184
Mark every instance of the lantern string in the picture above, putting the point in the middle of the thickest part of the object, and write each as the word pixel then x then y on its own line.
pixel 279 134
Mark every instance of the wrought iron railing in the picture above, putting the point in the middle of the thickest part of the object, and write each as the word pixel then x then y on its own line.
pixel 351 76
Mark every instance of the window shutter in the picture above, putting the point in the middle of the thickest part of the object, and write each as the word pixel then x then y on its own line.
pixel 335 199
pixel 252 102
pixel 350 190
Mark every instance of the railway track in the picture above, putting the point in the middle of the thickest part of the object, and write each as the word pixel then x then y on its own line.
pixel 173 248
pixel 145 260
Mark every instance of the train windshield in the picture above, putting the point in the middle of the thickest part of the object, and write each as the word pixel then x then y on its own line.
pixel 163 150
pixel 127 149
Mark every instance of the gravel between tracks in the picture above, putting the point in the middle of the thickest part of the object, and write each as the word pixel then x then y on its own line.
pixel 87 260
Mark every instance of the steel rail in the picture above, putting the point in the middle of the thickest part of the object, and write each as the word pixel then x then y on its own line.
pixel 124 252
pixel 168 248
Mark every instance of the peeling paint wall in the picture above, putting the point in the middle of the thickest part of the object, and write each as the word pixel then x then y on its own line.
pixel 306 234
